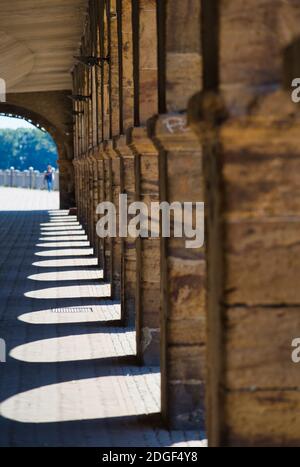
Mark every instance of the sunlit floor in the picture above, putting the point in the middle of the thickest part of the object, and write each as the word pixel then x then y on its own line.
pixel 19 199
pixel 71 377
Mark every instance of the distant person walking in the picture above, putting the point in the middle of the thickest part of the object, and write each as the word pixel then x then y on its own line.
pixel 49 178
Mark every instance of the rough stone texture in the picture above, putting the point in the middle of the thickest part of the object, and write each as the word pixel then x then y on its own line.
pixel 183 276
pixel 262 419
pixel 183 273
pixel 117 242
pixel 260 356
pixel 127 115
pixel 250 145
pixel 129 253
pixel 261 259
pixel 148 73
pixel 148 251
pixel 251 47
pixel 183 53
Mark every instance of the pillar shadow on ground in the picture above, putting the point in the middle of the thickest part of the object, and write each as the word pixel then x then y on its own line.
pixel 70 378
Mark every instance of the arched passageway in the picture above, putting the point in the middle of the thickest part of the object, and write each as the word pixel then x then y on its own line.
pixel 176 101
pixel 62 141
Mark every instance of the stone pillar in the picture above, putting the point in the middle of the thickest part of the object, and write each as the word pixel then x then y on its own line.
pixel 127 84
pixel 250 137
pixel 127 159
pixel 183 320
pixel 86 193
pixel 91 217
pixel 76 174
pixel 66 183
pixel 183 316
pixel 107 175
pixel 100 195
pixel 82 200
pixel 116 244
pixel 95 199
pixel 261 299
pixel 78 184
pixel 142 53
pixel 129 257
pixel 148 252
pixel 147 61
pixel 106 75
pixel 115 78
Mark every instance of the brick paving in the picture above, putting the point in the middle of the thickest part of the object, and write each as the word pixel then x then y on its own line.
pixel 70 378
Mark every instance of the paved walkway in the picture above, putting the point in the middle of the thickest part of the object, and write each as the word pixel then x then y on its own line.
pixel 70 378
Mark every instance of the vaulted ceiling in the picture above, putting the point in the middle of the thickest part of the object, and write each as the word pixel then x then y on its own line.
pixel 38 39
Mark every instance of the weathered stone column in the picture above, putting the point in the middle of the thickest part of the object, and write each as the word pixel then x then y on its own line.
pixel 129 256
pixel 115 61
pixel 107 175
pixel 100 194
pixel 183 317
pixel 148 251
pixel 106 75
pixel 91 219
pixel 183 320
pixel 127 159
pixel 66 183
pixel 82 183
pixel 142 54
pixel 78 186
pixel 250 136
pixel 86 193
pixel 76 173
pixel 127 81
pixel 116 187
pixel 94 197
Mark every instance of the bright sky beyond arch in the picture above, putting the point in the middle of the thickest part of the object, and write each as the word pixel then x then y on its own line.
pixel 14 123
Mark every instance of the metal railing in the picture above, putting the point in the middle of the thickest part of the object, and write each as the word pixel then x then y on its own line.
pixel 32 179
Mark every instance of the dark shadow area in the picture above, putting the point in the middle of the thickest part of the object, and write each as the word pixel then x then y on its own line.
pixel 134 431
pixel 291 63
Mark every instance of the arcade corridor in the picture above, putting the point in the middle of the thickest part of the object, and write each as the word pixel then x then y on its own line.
pixel 164 101
pixel 71 376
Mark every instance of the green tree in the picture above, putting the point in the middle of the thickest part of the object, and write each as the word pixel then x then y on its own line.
pixel 23 148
